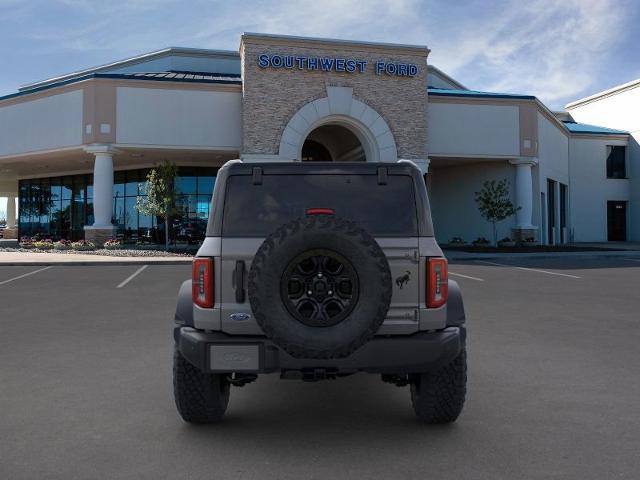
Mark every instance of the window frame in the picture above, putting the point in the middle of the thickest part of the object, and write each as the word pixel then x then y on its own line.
pixel 609 168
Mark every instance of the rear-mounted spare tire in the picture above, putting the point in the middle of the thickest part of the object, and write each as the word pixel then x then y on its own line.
pixel 320 287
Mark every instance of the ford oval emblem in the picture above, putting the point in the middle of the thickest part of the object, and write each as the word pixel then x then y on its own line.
pixel 239 317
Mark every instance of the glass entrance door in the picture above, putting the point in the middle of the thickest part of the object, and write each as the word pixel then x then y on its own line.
pixel 551 212
pixel 617 221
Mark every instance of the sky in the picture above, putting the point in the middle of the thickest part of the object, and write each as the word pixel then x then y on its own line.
pixel 557 50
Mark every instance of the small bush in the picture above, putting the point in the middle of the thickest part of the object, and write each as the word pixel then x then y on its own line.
pixel 481 241
pixel 83 245
pixel 112 244
pixel 457 241
pixel 506 242
pixel 144 245
pixel 62 245
pixel 26 242
pixel 43 244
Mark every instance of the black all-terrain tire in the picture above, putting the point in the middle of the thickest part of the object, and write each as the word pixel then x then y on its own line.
pixel 315 233
pixel 200 397
pixel 438 397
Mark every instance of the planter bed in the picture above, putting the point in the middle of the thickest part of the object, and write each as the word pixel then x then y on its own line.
pixel 120 252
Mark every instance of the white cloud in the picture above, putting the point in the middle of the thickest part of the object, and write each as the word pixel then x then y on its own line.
pixel 542 47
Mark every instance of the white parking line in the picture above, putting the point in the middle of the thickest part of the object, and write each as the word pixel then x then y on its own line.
pixel 466 276
pixel 25 275
pixel 132 276
pixel 528 269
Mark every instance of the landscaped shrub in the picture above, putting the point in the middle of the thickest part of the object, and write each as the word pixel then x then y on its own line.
pixel 145 245
pixel 112 244
pixel 506 242
pixel 62 245
pixel 457 241
pixel 481 241
pixel 26 242
pixel 43 244
pixel 83 245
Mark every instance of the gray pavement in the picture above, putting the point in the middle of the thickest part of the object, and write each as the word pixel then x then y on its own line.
pixel 554 382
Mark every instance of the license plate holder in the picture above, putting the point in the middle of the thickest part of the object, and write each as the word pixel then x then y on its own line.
pixel 234 358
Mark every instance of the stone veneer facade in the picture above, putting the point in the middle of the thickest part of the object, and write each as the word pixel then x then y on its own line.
pixel 272 96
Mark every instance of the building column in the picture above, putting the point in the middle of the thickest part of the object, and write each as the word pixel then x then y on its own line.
pixel 102 228
pixel 11 232
pixel 11 211
pixel 524 198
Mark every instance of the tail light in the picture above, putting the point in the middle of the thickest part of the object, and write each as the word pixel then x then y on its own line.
pixel 437 282
pixel 320 211
pixel 202 282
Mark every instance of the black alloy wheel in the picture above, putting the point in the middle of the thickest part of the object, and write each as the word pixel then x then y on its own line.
pixel 320 288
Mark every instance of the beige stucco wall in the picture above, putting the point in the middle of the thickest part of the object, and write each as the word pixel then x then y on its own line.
pixel 184 118
pixel 452 189
pixel 620 110
pixel 50 122
pixel 590 189
pixel 458 129
pixel 272 96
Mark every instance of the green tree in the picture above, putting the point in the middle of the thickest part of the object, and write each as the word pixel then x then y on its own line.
pixel 494 203
pixel 160 199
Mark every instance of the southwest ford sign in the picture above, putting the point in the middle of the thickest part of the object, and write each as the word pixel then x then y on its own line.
pixel 331 64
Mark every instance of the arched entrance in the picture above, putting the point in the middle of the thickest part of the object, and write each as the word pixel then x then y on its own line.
pixel 332 142
pixel 337 126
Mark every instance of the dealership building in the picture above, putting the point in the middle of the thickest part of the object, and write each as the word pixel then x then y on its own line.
pixel 75 149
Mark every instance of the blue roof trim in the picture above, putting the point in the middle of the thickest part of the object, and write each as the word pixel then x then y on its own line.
pixel 444 92
pixel 575 127
pixel 227 79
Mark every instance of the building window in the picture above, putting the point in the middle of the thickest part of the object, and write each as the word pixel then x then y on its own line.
pixel 616 162
pixel 563 212
pixel 60 207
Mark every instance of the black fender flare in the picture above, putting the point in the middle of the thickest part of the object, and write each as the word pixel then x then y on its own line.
pixel 455 305
pixel 184 308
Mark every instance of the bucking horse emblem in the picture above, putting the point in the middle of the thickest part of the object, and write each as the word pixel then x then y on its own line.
pixel 403 279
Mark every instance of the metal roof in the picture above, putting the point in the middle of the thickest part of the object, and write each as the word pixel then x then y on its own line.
pixel 186 77
pixel 145 57
pixel 176 75
pixel 444 92
pixel 575 127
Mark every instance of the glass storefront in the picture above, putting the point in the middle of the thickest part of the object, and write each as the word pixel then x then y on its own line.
pixel 60 207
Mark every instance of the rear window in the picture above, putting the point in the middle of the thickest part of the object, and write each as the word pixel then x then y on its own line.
pixel 257 210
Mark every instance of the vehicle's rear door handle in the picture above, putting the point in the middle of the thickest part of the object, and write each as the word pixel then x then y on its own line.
pixel 238 280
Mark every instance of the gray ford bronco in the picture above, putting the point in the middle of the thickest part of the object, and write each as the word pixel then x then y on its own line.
pixel 318 271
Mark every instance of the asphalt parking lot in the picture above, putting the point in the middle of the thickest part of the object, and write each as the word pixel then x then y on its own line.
pixel 554 383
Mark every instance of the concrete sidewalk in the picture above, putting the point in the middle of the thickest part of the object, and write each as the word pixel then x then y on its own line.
pixel 34 258
pixel 457 255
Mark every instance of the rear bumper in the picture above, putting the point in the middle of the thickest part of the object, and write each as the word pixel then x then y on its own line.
pixel 219 352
